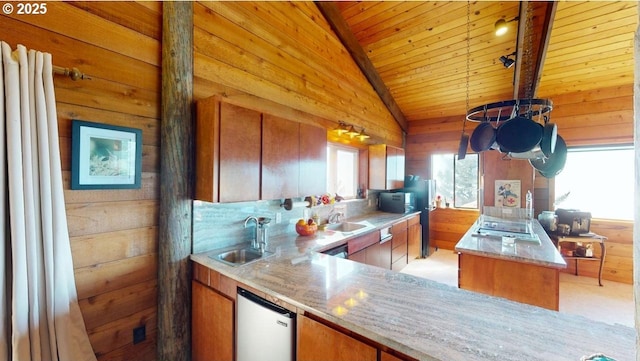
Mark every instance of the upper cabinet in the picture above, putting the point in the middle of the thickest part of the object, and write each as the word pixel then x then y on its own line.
pixel 386 167
pixel 280 158
pixel 245 155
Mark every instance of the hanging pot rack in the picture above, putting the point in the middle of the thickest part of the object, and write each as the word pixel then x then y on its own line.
pixel 508 109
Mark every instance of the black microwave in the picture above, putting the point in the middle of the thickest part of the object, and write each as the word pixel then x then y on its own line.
pixel 396 202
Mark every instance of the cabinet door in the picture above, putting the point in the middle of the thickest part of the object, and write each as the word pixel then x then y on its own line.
pixel 280 158
pixel 414 239
pixel 212 321
pixel 377 166
pixel 313 160
pixel 317 341
pixel 207 152
pixel 395 168
pixel 379 255
pixel 359 256
pixel 240 142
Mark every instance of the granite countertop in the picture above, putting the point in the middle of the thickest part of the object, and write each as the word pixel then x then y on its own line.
pixel 542 253
pixel 421 318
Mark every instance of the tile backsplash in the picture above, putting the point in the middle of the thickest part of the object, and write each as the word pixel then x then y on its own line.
pixel 217 225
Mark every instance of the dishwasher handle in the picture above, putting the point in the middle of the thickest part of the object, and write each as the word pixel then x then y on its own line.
pixel 386 238
pixel 264 303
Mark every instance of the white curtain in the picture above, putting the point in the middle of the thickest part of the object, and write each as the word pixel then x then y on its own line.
pixel 41 316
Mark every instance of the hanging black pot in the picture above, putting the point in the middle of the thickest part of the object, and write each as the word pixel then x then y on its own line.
pixel 553 165
pixel 549 137
pixel 519 135
pixel 483 137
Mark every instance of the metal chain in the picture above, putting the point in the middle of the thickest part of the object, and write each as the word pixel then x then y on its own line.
pixel 468 48
pixel 529 52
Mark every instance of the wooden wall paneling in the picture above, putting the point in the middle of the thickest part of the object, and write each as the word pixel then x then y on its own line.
pixel 495 168
pixel 92 60
pixel 111 336
pixel 448 225
pixel 113 232
pixel 121 303
pixel 96 248
pixel 176 188
pixel 280 158
pixel 265 62
pixel 105 94
pixel 119 40
pixel 144 17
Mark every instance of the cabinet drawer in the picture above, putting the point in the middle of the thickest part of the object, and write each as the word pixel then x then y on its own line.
pixel 364 241
pixel 399 227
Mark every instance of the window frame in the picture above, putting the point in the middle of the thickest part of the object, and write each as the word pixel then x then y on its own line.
pixel 332 167
pixel 454 159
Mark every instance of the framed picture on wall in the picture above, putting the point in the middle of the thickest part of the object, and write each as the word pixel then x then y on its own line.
pixel 507 193
pixel 105 156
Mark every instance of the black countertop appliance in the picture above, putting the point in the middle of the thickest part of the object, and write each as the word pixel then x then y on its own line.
pixel 424 191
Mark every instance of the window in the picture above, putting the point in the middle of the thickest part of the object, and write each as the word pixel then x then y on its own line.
pixel 456 180
pixel 342 170
pixel 597 180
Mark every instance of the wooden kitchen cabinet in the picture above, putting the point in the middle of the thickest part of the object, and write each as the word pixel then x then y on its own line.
pixel 228 152
pixel 280 158
pixel 317 341
pixel 313 160
pixel 399 245
pixel 386 167
pixel 414 238
pixel 212 325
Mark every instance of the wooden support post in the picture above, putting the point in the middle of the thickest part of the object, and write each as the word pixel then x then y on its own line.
pixel 176 170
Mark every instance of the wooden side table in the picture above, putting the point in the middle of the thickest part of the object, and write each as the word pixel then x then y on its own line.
pixel 595 238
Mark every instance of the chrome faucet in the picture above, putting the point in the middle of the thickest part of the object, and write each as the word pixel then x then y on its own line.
pixel 260 239
pixel 254 241
pixel 335 217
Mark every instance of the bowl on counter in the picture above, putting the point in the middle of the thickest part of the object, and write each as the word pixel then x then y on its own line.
pixel 306 229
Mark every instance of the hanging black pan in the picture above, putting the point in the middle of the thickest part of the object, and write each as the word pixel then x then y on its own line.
pixel 483 137
pixel 519 134
pixel 553 165
pixel 549 138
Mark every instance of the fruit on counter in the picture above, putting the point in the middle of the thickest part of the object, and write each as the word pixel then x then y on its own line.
pixel 306 228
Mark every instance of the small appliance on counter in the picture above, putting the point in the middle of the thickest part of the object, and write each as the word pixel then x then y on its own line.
pixel 578 222
pixel 396 202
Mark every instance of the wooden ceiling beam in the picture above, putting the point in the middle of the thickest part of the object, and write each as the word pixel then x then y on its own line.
pixel 538 48
pixel 333 16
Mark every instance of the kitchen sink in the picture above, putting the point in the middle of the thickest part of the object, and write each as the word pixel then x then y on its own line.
pixel 346 227
pixel 241 256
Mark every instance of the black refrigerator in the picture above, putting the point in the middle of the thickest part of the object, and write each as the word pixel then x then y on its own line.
pixel 424 191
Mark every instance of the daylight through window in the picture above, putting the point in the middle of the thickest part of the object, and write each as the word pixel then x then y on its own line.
pixel 342 170
pixel 456 180
pixel 597 180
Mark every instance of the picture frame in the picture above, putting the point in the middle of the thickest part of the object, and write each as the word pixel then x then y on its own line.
pixel 105 156
pixel 507 193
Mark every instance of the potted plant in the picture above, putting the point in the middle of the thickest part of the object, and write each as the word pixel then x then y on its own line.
pixel 438 201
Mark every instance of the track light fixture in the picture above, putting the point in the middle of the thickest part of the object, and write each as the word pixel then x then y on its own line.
pixel 502 27
pixel 351 131
pixel 507 61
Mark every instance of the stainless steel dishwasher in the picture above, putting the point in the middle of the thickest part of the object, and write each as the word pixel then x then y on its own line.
pixel 265 331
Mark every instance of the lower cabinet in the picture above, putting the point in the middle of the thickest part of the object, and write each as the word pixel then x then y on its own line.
pixel 317 341
pixel 414 238
pixel 212 325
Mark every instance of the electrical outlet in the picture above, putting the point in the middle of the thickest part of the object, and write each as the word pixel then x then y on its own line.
pixel 278 217
pixel 139 334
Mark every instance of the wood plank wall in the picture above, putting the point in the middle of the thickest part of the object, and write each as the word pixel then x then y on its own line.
pixel 601 117
pixel 113 232
pixel 283 57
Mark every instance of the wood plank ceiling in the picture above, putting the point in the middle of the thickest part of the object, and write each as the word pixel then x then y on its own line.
pixel 419 50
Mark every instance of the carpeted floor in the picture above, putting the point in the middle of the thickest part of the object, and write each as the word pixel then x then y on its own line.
pixel 612 303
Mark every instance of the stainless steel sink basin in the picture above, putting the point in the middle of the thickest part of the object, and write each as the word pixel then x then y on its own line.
pixel 346 227
pixel 241 256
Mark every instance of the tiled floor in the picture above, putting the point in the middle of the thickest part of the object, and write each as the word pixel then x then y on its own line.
pixel 612 303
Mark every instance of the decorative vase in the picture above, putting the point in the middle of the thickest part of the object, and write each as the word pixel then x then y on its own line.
pixel 438 204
